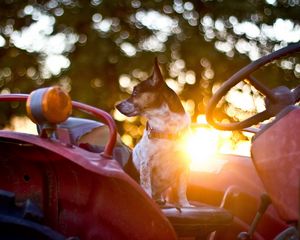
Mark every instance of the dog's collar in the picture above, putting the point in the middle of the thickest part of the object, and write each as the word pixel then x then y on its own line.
pixel 152 133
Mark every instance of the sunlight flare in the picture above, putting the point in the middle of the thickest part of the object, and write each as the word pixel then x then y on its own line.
pixel 205 145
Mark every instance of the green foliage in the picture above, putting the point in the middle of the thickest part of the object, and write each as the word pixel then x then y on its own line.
pixel 107 38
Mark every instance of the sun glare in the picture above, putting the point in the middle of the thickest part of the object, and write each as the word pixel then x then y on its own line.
pixel 204 146
pixel 203 143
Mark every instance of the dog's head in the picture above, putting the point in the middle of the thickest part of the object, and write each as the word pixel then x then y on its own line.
pixel 150 94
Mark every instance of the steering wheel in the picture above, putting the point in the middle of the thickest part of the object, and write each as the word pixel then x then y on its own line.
pixel 276 99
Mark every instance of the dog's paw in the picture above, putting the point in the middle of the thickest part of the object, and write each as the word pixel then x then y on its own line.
pixel 178 209
pixel 185 204
pixel 161 202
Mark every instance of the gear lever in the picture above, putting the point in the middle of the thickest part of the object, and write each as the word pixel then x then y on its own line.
pixel 264 203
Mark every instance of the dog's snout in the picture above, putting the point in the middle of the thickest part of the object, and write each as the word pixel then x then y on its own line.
pixel 127 108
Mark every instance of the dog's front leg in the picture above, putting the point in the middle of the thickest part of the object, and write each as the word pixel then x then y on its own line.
pixel 145 177
pixel 181 189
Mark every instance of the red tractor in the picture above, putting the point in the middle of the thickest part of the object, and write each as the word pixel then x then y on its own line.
pixel 51 187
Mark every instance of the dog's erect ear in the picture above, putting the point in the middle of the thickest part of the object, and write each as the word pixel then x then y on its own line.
pixel 157 77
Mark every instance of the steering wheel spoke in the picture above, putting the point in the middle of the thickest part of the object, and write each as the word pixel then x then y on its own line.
pixel 262 88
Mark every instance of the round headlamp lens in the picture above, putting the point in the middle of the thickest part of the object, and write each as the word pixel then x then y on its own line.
pixel 51 105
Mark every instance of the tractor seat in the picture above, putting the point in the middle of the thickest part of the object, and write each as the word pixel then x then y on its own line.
pixel 197 221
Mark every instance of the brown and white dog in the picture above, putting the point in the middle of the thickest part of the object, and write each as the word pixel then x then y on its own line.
pixel 159 156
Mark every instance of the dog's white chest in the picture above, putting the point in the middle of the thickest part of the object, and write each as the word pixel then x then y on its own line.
pixel 164 158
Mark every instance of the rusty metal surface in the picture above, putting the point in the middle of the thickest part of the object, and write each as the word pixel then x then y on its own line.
pixel 82 194
pixel 276 157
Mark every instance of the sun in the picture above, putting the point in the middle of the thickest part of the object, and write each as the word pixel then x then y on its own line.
pixel 202 146
pixel 205 146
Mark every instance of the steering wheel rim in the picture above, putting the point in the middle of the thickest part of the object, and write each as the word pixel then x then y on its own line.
pixel 245 73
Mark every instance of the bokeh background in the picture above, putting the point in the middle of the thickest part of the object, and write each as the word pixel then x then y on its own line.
pixel 98 50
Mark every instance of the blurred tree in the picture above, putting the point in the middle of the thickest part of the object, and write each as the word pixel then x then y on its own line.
pixel 97 50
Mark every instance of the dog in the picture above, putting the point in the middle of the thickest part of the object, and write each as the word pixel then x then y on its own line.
pixel 159 156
